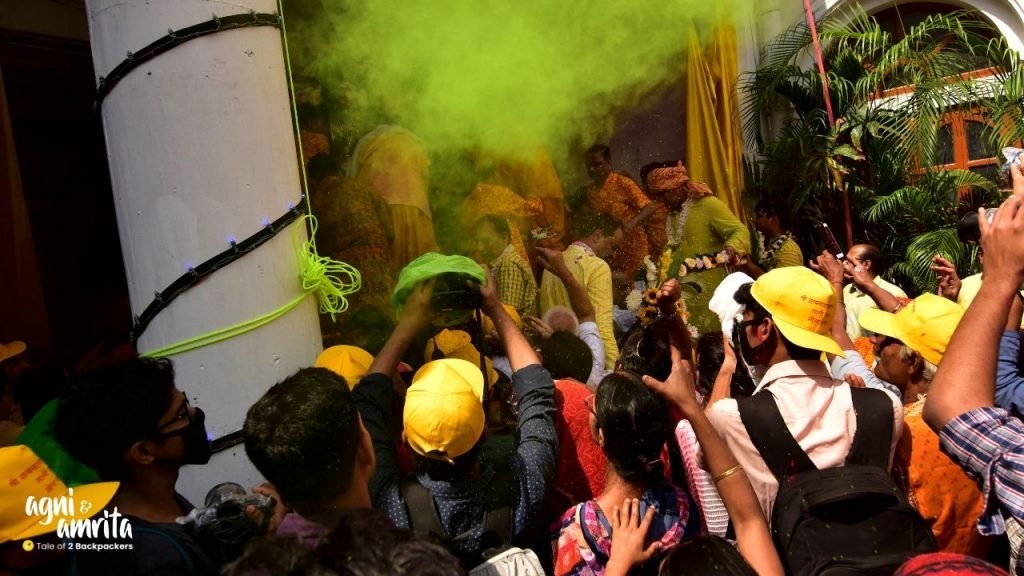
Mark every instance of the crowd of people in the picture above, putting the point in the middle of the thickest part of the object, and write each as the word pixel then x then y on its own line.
pixel 644 393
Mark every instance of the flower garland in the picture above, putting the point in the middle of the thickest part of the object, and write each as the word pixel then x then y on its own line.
pixel 766 255
pixel 645 305
pixel 702 262
pixel 674 230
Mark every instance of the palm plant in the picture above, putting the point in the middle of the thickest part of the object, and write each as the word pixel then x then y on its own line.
pixel 879 141
pixel 920 220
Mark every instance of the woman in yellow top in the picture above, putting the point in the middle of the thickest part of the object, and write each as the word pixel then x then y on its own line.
pixel 704 237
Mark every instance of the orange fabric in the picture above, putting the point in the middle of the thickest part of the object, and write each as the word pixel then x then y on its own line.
pixel 622 199
pixel 947 499
pixel 866 349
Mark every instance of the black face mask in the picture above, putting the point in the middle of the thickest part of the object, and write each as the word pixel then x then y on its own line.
pixel 197 443
pixel 748 352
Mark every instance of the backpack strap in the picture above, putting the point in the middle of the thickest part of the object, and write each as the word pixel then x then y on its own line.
pixel 875 418
pixel 770 435
pixel 498 505
pixel 422 511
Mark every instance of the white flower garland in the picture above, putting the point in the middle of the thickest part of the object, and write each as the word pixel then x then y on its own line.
pixel 674 230
pixel 767 255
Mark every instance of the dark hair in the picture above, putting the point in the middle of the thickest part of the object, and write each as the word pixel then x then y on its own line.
pixel 710 356
pixel 500 225
pixel 647 168
pixel 106 411
pixel 749 303
pixel 37 387
pixel 364 543
pixel 643 351
pixel 442 471
pixel 302 435
pixel 601 149
pixel 706 554
pixel 565 355
pixel 635 423
pixel 769 209
pixel 586 222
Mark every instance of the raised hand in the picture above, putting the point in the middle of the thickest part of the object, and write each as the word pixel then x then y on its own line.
pixel 829 267
pixel 628 535
pixel 949 280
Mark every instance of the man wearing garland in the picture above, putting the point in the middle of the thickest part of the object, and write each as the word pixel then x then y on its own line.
pixel 704 238
pixel 777 246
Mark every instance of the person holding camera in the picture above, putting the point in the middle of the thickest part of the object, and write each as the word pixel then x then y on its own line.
pixel 963 406
pixel 473 507
pixel 131 424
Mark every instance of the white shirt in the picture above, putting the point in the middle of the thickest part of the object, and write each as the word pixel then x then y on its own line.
pixel 818 412
pixel 589 334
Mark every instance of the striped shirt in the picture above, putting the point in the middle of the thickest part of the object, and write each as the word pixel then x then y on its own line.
pixel 988 444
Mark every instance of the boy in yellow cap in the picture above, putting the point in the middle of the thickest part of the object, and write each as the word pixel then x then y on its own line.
pixel 786 325
pixel 472 506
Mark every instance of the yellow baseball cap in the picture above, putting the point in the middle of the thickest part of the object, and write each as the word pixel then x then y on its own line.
pixel 30 490
pixel 488 324
pixel 349 362
pixel 925 325
pixel 444 413
pixel 802 304
pixel 458 344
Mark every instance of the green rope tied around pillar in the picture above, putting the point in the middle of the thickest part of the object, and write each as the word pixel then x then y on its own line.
pixel 318 276
pixel 332 281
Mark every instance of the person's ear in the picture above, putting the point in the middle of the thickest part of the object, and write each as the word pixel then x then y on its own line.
pixel 915 364
pixel 141 453
pixel 765 328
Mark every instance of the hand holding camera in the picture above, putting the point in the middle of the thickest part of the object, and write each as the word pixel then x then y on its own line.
pixel 1003 242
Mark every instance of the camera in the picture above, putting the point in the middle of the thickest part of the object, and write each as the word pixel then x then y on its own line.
pixel 222 526
pixel 968 229
pixel 455 292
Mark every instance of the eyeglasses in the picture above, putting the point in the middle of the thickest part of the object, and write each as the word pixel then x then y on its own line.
pixel 742 324
pixel 184 414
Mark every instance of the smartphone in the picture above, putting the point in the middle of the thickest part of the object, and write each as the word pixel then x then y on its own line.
pixel 830 240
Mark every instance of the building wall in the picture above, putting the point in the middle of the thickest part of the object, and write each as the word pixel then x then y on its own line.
pixel 56 18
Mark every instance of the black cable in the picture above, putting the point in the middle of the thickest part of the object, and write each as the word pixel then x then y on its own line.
pixel 189 279
pixel 175 38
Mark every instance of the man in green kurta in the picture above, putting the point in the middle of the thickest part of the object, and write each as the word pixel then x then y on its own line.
pixel 704 238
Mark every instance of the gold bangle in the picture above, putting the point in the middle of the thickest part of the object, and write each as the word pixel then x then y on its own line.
pixel 727 473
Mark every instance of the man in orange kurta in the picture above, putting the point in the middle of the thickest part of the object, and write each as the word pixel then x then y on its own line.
pixel 621 198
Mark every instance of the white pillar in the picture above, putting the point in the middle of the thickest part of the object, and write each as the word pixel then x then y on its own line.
pixel 201 148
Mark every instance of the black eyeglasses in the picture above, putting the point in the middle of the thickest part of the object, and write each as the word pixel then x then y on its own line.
pixel 754 322
pixel 184 414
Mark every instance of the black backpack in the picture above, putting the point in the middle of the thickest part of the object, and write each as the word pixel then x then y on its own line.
pixel 847 520
pixel 497 536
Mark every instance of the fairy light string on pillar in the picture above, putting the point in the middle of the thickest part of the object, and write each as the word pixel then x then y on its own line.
pixel 329 280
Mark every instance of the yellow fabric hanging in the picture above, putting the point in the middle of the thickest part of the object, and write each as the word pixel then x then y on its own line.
pixel 714 144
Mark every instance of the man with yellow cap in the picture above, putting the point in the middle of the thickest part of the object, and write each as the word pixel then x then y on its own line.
pixel 908 347
pixel 471 506
pixel 786 322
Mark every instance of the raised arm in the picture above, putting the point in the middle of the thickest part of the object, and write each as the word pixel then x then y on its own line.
pixel 866 283
pixel 553 262
pixel 753 539
pixel 974 349
pixel 416 315
pixel 520 353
